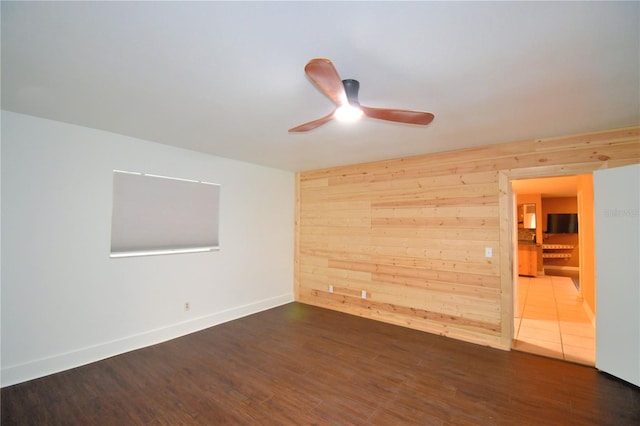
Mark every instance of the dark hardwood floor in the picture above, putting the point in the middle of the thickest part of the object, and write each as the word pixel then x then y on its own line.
pixel 298 365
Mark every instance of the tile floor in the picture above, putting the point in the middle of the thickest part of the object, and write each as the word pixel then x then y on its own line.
pixel 551 320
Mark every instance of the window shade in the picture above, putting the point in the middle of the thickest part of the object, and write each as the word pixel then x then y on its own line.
pixel 160 215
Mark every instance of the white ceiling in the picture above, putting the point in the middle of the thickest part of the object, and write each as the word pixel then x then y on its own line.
pixel 561 186
pixel 227 78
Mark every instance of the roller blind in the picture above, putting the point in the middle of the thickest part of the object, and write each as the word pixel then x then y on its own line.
pixel 162 215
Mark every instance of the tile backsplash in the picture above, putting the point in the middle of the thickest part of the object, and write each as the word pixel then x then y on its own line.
pixel 526 234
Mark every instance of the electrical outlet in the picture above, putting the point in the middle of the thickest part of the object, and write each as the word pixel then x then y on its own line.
pixel 364 294
pixel 330 288
pixel 187 306
pixel 488 252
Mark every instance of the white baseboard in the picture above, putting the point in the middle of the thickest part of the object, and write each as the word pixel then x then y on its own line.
pixel 55 364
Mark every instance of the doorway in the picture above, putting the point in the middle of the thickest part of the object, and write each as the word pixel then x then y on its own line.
pixel 553 314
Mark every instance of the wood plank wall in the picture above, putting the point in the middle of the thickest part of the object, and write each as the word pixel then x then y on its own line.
pixel 412 232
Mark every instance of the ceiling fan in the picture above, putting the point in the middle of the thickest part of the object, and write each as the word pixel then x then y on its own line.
pixel 344 94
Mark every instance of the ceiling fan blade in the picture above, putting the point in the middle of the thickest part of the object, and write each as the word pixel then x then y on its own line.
pixel 324 75
pixel 399 115
pixel 312 124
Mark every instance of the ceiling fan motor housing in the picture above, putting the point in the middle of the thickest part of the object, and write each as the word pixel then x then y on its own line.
pixel 351 87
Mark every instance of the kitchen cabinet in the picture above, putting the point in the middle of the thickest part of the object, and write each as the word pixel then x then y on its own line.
pixel 528 260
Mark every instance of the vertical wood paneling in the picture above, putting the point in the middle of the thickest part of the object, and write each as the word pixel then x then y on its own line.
pixel 412 232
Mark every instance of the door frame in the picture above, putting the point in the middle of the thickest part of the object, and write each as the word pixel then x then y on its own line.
pixel 508 256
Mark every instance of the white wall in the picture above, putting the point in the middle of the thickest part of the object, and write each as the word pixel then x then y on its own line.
pixel 66 303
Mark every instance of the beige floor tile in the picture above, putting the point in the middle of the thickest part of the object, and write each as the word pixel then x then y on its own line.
pixel 540 289
pixel 548 335
pixel 539 301
pixel 578 341
pixel 546 307
pixel 579 355
pixel 552 321
pixel 569 302
pixel 539 315
pixel 549 325
pixel 575 317
pixel 577 329
pixel 540 347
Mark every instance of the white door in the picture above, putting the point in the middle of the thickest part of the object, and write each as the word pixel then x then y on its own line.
pixel 617 235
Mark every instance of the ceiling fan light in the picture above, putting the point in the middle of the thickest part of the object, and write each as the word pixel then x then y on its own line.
pixel 348 113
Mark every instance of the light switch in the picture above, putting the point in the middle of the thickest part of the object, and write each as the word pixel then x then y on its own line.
pixel 488 252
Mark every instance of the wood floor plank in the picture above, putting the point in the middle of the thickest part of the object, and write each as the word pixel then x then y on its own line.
pixel 299 364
